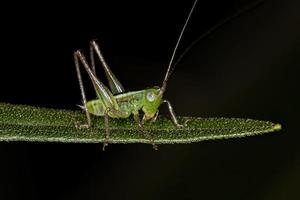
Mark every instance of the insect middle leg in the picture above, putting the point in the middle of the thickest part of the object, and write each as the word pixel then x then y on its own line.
pixel 145 133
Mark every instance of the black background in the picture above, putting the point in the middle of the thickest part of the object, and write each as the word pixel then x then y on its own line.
pixel 247 68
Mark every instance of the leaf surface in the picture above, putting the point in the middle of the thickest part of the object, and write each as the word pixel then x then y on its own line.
pixel 32 124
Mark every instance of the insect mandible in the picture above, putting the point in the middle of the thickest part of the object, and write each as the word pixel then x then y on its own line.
pixel 115 102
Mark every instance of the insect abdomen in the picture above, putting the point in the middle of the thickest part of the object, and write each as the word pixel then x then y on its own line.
pixel 95 107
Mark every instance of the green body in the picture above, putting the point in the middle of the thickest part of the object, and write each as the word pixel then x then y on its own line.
pixel 114 102
pixel 129 103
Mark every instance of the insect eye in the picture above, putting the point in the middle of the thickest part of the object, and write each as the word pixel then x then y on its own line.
pixel 150 96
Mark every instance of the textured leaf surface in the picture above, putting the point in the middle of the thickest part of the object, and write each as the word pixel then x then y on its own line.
pixel 26 123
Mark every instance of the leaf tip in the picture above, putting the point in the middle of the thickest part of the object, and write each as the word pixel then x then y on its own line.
pixel 277 127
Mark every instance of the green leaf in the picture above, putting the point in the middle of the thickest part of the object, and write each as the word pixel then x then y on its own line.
pixel 26 123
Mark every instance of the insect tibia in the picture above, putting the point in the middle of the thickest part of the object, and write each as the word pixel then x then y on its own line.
pixel 173 116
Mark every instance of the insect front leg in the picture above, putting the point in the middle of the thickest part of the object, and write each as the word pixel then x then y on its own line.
pixel 88 117
pixel 145 133
pixel 155 117
pixel 173 116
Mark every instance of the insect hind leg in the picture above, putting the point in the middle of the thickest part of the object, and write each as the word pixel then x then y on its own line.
pixel 114 84
pixel 88 117
pixel 109 102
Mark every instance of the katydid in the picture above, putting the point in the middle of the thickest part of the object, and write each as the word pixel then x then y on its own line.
pixel 115 102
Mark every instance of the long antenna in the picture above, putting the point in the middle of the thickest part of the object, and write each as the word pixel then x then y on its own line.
pixel 217 26
pixel 164 85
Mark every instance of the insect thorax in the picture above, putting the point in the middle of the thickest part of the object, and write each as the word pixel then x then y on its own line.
pixel 131 102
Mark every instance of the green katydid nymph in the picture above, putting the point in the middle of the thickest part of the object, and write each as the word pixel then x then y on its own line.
pixel 115 102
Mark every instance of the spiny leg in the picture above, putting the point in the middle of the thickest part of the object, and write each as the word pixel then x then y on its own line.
pixel 92 59
pixel 88 117
pixel 114 84
pixel 103 93
pixel 106 124
pixel 108 100
pixel 106 130
pixel 145 133
pixel 155 117
pixel 101 90
pixel 173 116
